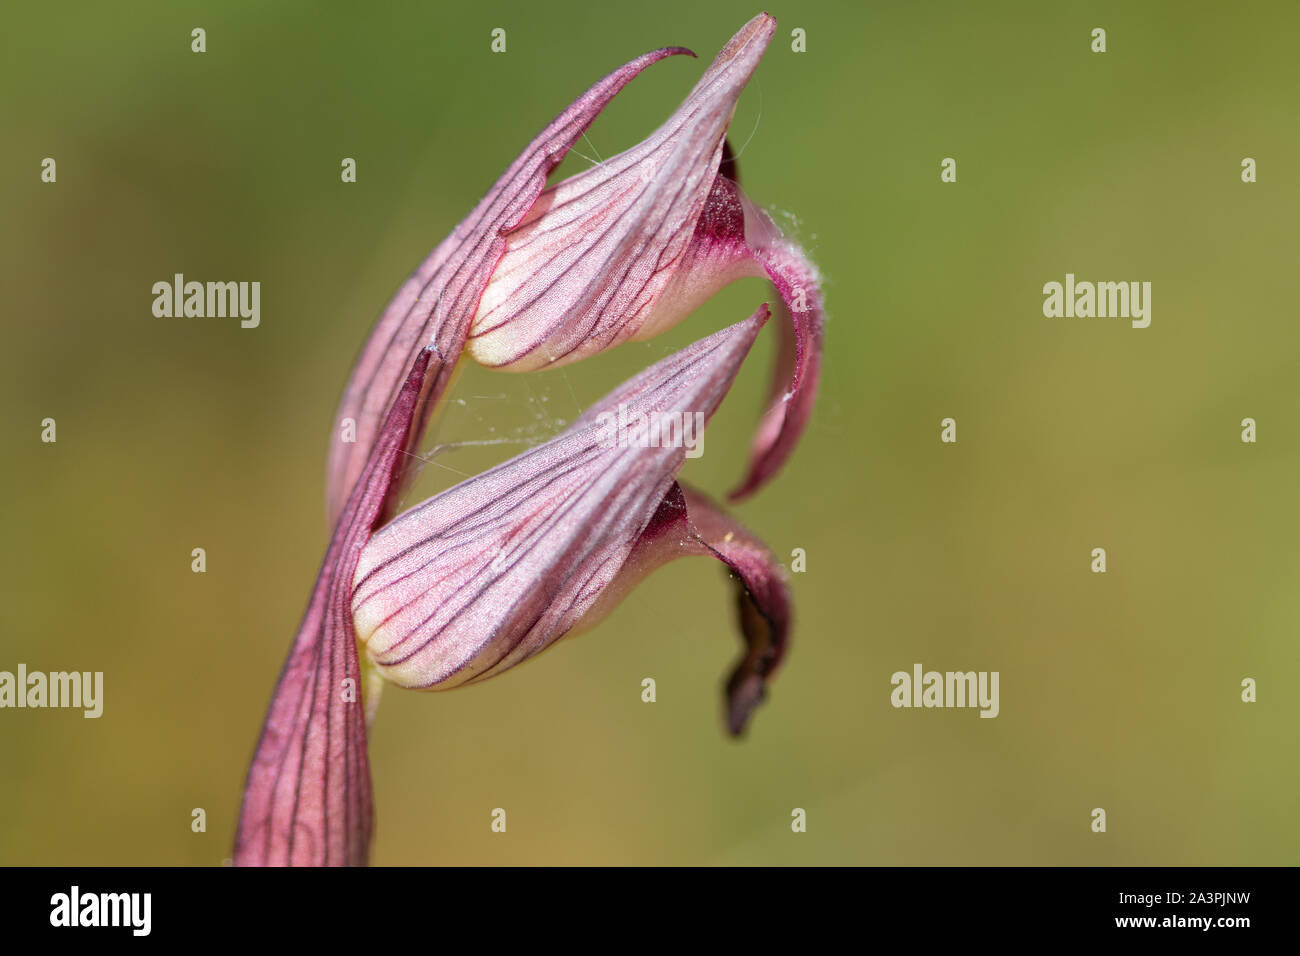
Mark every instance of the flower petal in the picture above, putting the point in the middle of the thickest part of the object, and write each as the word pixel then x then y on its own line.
pixel 762 603
pixel 592 262
pixel 733 237
pixel 799 355
pixel 436 304
pixel 308 800
pixel 498 567
pixel 688 524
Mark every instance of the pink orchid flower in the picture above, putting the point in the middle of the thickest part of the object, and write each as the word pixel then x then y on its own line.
pixel 494 570
pixel 537 277
pixel 490 572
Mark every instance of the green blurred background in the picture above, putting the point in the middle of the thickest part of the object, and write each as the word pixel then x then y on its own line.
pixel 1119 691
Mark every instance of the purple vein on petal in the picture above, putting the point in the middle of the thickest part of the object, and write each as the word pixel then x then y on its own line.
pixel 308 799
pixel 437 303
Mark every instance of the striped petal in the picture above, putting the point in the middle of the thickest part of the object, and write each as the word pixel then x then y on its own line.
pixel 497 568
pixel 437 303
pixel 593 262
pixel 629 248
pixel 307 801
pixel 799 354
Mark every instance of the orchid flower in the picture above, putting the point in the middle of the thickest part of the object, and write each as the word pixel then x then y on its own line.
pixel 501 566
pixel 497 568
pixel 487 574
pixel 537 277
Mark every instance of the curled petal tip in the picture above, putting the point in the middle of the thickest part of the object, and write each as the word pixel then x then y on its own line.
pixel 744 693
pixel 763 605
pixel 797 369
